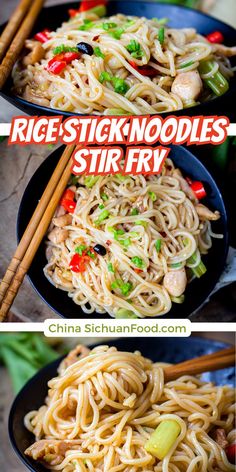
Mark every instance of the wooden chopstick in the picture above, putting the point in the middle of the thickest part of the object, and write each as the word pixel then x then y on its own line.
pixel 33 235
pixel 13 25
pixel 19 40
pixel 199 365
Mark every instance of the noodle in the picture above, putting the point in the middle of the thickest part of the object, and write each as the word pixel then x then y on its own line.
pixel 152 231
pixel 102 408
pixel 141 61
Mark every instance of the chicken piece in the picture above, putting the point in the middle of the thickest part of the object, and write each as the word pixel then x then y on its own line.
pixel 220 437
pixel 35 97
pixel 185 187
pixel 62 220
pixel 175 282
pixel 224 50
pixel 37 52
pixel 187 85
pixel 205 214
pixel 58 235
pixel 60 211
pixel 49 451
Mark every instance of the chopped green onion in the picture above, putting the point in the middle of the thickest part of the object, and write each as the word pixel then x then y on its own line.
pixel 129 23
pixel 116 33
pixel 138 262
pixel 141 223
pixel 161 35
pixel 98 52
pixel 161 21
pixel 178 300
pixel 186 64
pixel 87 25
pixel 125 288
pixel 134 48
pixel 108 26
pixel 153 196
pixel 104 76
pixel 125 242
pixel 62 48
pixel 104 215
pixel 123 313
pixel 117 112
pixel 80 249
pixel 104 197
pixel 101 207
pixel 177 265
pixel 91 180
pixel 121 177
pixel 163 438
pixel 217 82
pixel 158 245
pixel 120 85
pixel 99 10
pixel 134 212
pixel 200 269
pixel 110 267
pixel 91 254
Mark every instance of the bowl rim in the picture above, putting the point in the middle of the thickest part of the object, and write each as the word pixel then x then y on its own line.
pixel 22 104
pixel 187 155
pixel 216 344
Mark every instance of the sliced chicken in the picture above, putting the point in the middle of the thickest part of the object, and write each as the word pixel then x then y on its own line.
pixel 220 438
pixel 185 187
pixel 225 50
pixel 205 214
pixel 36 97
pixel 62 220
pixel 50 451
pixel 58 235
pixel 175 282
pixel 187 85
pixel 37 52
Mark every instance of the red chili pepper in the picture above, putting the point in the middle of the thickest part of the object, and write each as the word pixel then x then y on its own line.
pixel 148 71
pixel 56 67
pixel 68 205
pixel 73 12
pixel 215 37
pixel 88 4
pixel 77 263
pixel 43 36
pixel 138 271
pixel 198 189
pixel 68 194
pixel 231 453
pixel 70 56
pixel 108 242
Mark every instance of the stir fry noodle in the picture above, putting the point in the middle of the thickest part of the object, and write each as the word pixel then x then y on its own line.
pixel 110 410
pixel 129 245
pixel 121 65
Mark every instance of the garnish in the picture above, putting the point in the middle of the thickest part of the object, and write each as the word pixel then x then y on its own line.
pixel 98 52
pixel 135 49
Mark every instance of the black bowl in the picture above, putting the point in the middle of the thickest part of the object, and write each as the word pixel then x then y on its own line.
pixel 180 17
pixel 171 350
pixel 196 293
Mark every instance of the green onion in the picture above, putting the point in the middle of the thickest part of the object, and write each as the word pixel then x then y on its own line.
pixel 134 48
pixel 104 76
pixel 153 196
pixel 161 21
pixel 134 212
pixel 186 64
pixel 104 197
pixel 87 25
pixel 123 313
pixel 99 10
pixel 138 262
pixel 91 180
pixel 163 438
pixel 125 288
pixel 141 223
pixel 101 207
pixel 161 35
pixel 80 249
pixel 177 265
pixel 91 254
pixel 117 33
pixel 120 85
pixel 125 242
pixel 129 23
pixel 121 177
pixel 98 52
pixel 117 112
pixel 178 300
pixel 62 48
pixel 108 26
pixel 110 267
pixel 200 269
pixel 158 245
pixel 217 82
pixel 104 215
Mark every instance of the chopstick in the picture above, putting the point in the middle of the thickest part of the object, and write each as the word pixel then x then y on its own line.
pixel 207 363
pixel 34 232
pixel 13 25
pixel 17 44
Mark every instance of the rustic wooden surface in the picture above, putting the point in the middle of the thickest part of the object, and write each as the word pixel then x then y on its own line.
pixel 9 462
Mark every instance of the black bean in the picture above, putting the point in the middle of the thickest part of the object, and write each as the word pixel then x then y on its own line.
pixel 101 250
pixel 85 48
